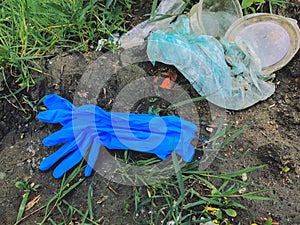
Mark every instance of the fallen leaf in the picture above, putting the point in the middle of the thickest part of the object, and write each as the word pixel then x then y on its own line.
pixel 34 201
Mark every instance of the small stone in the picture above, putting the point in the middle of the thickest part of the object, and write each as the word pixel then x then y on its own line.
pixel 33 164
pixel 243 190
pixel 171 223
pixel 20 164
pixel 209 129
pixel 203 123
pixel 30 149
pixel 244 177
pixel 2 175
pixel 56 86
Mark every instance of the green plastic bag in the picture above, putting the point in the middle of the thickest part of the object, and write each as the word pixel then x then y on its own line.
pixel 228 74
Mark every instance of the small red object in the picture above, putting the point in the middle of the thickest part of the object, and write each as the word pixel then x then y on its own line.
pixel 166 84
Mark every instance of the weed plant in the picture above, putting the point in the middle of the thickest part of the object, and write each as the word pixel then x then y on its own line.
pixel 254 6
pixel 58 203
pixel 192 197
pixel 30 29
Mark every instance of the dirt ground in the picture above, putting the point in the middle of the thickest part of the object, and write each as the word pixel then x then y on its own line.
pixel 273 141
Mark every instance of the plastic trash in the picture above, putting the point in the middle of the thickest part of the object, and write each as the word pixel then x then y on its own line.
pixel 238 79
pixel 275 39
pixel 89 127
pixel 138 34
pixel 213 17
pixel 228 74
pixel 249 84
pixel 199 58
pixel 209 17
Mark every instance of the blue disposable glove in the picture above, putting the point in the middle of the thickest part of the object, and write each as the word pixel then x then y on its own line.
pixel 89 127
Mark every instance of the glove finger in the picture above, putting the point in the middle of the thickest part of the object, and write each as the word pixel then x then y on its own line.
pixel 55 116
pixel 53 101
pixel 93 156
pixel 66 134
pixel 57 155
pixel 69 162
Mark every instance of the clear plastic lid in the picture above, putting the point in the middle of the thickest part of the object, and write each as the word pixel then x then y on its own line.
pixel 275 39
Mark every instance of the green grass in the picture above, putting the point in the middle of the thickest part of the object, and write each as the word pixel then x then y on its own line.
pixel 58 203
pixel 191 197
pixel 30 29
pixel 253 6
pixel 27 187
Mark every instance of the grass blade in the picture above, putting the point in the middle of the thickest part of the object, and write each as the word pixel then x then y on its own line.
pixel 240 172
pixel 90 206
pixel 153 8
pixel 22 205
pixel 178 173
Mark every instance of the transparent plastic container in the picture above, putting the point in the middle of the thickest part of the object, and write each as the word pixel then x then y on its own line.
pixel 275 39
pixel 213 17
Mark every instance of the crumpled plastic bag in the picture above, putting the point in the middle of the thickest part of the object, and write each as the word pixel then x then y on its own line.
pixel 228 74
pixel 211 17
pixel 88 127
pixel 138 34
pixel 249 84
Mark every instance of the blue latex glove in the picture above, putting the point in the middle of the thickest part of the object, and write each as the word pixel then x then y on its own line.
pixel 89 127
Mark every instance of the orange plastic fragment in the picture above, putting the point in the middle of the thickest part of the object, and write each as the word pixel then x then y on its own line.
pixel 166 84
pixel 155 80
